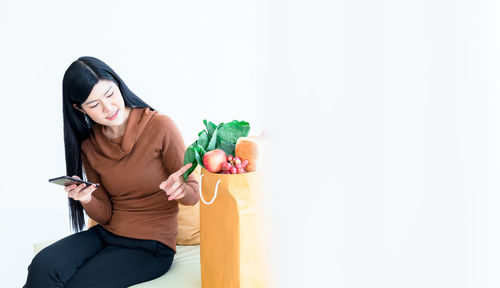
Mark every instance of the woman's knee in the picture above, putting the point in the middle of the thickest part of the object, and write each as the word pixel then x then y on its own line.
pixel 45 269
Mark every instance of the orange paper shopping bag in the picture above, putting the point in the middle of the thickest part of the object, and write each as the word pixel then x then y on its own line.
pixel 232 243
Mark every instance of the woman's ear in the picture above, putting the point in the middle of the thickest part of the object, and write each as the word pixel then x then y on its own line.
pixel 76 107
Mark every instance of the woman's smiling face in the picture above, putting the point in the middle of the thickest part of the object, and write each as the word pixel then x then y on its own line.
pixel 105 104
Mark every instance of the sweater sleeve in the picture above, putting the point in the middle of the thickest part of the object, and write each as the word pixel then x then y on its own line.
pixel 99 208
pixel 173 152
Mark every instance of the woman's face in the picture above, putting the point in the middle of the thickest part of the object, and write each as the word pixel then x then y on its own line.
pixel 105 104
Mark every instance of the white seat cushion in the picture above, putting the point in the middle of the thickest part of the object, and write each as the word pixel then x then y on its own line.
pixel 185 271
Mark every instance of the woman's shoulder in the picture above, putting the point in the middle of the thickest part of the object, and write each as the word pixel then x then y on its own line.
pixel 85 148
pixel 164 128
pixel 162 121
pixel 89 145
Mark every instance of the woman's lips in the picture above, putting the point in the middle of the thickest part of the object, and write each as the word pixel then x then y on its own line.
pixel 113 117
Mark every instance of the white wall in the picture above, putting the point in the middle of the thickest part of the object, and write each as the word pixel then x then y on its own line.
pixel 385 117
pixel 395 145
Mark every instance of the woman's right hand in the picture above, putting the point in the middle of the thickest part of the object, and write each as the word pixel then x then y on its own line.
pixel 82 192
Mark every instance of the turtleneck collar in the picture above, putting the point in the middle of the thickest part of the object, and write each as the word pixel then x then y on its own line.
pixel 116 149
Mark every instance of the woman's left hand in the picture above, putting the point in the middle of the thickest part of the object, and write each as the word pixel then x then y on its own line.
pixel 175 186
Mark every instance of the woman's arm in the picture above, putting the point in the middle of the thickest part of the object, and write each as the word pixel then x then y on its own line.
pixel 191 197
pixel 173 157
pixel 99 207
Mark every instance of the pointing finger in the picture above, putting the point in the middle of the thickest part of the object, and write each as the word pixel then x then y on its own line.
pixel 183 169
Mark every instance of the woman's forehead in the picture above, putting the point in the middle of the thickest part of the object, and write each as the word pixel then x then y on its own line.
pixel 100 89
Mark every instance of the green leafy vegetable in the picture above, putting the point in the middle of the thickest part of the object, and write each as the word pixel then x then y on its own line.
pixel 230 132
pixel 190 157
pixel 228 148
pixel 210 127
pixel 199 155
pixel 213 141
pixel 203 139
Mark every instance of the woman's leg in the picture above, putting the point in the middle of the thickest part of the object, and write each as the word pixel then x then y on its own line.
pixel 122 263
pixel 56 264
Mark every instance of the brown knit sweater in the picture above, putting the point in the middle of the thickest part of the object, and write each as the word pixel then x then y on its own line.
pixel 130 169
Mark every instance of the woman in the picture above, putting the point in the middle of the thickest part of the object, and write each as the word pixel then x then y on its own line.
pixel 136 156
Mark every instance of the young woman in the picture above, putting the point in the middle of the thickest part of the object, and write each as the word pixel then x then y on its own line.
pixel 136 156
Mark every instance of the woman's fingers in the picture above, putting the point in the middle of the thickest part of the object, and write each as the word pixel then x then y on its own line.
pixel 170 184
pixel 182 170
pixel 173 187
pixel 72 192
pixel 164 185
pixel 84 194
pixel 179 193
pixel 69 187
pixel 81 192
pixel 174 178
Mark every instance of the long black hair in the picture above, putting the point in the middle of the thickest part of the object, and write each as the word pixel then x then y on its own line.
pixel 78 81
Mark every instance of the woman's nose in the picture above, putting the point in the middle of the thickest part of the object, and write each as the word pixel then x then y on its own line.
pixel 106 106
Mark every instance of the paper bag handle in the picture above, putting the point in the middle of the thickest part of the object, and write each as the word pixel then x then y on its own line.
pixel 201 194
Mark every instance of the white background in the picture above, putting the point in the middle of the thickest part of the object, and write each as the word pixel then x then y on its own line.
pixel 383 113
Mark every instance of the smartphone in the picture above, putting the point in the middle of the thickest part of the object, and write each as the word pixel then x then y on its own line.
pixel 67 180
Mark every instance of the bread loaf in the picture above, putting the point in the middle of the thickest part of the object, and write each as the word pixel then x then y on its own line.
pixel 252 149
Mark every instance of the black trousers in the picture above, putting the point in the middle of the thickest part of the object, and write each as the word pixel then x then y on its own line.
pixel 98 258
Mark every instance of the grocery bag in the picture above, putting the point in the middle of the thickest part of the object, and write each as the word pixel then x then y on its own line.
pixel 232 245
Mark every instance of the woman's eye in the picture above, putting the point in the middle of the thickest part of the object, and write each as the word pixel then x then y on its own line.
pixel 94 105
pixel 110 94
